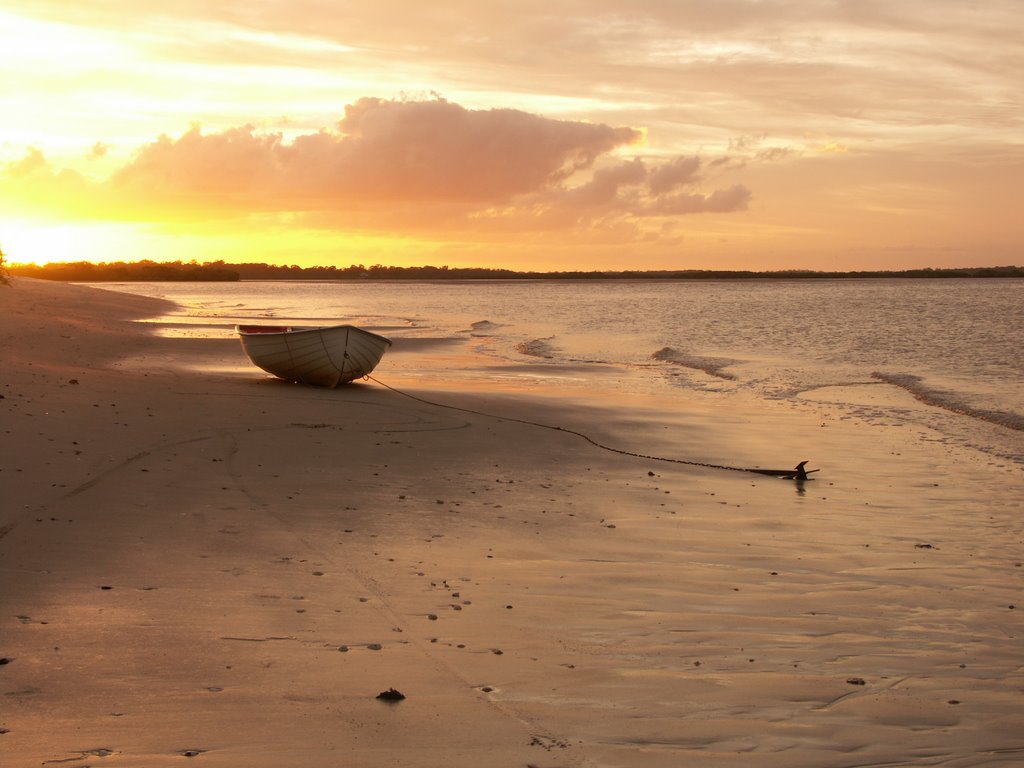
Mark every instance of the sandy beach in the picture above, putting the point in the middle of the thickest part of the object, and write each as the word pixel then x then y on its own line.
pixel 201 563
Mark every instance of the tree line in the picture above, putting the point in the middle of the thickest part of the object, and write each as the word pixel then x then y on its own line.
pixel 128 271
pixel 220 271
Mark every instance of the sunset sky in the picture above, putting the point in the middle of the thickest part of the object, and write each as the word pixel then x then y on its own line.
pixel 563 134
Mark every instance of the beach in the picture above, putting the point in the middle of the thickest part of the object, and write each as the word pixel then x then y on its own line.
pixel 200 562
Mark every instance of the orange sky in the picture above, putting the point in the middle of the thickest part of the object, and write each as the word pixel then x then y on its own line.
pixel 564 134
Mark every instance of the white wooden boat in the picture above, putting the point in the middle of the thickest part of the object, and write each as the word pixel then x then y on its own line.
pixel 325 357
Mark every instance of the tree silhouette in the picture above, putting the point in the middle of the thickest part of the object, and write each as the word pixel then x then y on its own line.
pixel 5 276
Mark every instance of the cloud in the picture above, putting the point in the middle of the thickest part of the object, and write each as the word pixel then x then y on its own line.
pixel 831 148
pixel 400 165
pixel 635 196
pixel 32 164
pixel 32 182
pixel 857 71
pixel 675 173
pixel 771 154
pixel 735 198
pixel 751 147
pixel 664 190
pixel 387 151
pixel 605 187
pixel 98 150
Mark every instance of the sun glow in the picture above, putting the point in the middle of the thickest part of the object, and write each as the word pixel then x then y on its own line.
pixel 33 43
pixel 40 242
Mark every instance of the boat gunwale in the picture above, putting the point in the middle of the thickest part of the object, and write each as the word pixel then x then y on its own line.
pixel 282 330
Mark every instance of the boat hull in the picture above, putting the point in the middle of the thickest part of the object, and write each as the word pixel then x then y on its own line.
pixel 323 357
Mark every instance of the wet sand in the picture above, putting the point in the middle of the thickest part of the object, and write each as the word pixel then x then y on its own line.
pixel 203 563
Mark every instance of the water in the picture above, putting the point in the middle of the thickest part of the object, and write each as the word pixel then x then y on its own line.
pixel 943 355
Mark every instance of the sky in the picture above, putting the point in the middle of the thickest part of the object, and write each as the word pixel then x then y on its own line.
pixel 554 135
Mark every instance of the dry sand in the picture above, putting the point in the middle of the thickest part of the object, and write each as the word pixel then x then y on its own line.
pixel 207 564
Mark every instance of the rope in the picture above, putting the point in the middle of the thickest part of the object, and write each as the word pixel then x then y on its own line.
pixel 589 439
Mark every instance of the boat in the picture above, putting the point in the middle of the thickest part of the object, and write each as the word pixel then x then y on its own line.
pixel 322 356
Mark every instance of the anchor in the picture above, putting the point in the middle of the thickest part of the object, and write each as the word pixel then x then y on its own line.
pixel 798 473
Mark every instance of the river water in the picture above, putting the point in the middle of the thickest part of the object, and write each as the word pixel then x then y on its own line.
pixel 862 348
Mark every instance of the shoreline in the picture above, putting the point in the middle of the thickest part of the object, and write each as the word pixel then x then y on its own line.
pixel 226 565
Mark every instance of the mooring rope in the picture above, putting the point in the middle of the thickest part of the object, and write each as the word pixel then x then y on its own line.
pixel 797 472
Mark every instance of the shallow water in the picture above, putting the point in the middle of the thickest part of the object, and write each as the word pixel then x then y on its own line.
pixel 937 354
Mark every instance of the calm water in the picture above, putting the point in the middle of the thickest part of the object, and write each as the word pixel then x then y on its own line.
pixel 955 345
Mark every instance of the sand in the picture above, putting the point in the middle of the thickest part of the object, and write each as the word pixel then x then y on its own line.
pixel 201 563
